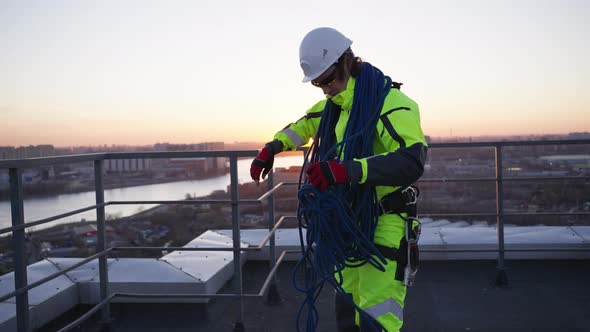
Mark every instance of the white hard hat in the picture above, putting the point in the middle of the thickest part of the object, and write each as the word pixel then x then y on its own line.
pixel 320 49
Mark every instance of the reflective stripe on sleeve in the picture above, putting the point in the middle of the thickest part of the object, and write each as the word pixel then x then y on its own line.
pixel 387 306
pixel 295 139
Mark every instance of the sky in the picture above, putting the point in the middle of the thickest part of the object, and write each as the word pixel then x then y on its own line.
pixel 141 72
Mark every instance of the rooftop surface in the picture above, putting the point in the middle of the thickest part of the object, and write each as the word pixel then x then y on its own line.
pixel 542 295
pixel 454 290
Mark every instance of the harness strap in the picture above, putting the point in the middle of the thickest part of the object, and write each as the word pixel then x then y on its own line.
pixel 391 253
pixel 398 255
pixel 400 201
pixel 397 202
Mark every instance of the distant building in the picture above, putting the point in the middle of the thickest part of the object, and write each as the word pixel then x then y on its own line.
pixel 190 165
pixel 211 163
pixel 127 165
pixel 6 152
pixel 206 146
pixel 22 152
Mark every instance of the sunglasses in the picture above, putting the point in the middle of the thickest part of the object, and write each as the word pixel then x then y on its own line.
pixel 329 80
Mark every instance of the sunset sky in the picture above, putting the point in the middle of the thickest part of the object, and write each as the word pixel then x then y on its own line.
pixel 141 72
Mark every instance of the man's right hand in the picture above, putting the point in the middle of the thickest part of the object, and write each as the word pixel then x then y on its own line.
pixel 264 160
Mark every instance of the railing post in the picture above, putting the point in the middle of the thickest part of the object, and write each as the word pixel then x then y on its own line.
pixel 101 242
pixel 501 278
pixel 273 297
pixel 18 245
pixel 235 221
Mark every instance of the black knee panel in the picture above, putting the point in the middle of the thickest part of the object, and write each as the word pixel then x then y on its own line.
pixel 345 313
pixel 369 324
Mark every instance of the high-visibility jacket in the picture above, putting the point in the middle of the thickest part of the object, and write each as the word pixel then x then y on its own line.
pixel 399 145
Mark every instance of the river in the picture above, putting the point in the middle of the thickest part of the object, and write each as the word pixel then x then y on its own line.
pixel 40 208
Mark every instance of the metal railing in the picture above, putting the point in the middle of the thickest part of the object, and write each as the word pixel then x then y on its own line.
pixel 18 228
pixel 501 278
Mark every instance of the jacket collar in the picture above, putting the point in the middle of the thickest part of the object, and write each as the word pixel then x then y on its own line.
pixel 344 98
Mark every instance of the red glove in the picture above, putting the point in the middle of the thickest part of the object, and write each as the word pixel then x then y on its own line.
pixel 324 173
pixel 264 160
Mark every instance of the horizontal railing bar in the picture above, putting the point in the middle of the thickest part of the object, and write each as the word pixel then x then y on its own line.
pixel 46 220
pixel 182 248
pixel 257 249
pixel 257 201
pixel 185 202
pixel 508 214
pixel 53 276
pixel 495 250
pixel 458 215
pixel 271 274
pixel 43 221
pixel 270 192
pixel 542 178
pixel 273 230
pixel 88 314
pixel 181 154
pixel 513 178
pixel 458 180
pixel 181 296
pixel 164 202
pixel 508 143
pixel 67 159
pixel 44 161
pixel 578 213
pixel 549 249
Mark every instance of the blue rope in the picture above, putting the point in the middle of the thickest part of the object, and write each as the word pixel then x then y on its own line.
pixel 340 221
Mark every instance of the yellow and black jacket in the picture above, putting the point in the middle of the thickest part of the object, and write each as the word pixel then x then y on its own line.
pixel 399 144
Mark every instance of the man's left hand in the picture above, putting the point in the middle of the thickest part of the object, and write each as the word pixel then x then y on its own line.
pixel 324 173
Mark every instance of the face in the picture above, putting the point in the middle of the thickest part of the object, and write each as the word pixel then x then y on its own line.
pixel 330 82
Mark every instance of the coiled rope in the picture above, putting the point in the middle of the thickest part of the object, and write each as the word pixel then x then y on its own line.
pixel 341 220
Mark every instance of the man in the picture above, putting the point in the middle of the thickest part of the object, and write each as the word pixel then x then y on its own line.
pixel 397 160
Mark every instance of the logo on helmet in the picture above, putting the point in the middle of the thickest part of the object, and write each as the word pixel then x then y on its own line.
pixel 324 53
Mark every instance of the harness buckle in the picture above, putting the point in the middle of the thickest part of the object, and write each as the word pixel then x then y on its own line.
pixel 410 195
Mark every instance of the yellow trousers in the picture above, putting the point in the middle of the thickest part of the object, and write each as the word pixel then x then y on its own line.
pixel 378 293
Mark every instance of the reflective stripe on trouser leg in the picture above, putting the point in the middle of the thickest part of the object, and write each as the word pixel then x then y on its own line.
pixel 387 306
pixel 381 296
pixel 374 290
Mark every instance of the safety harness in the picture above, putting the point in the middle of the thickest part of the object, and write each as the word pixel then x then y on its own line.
pixel 407 255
